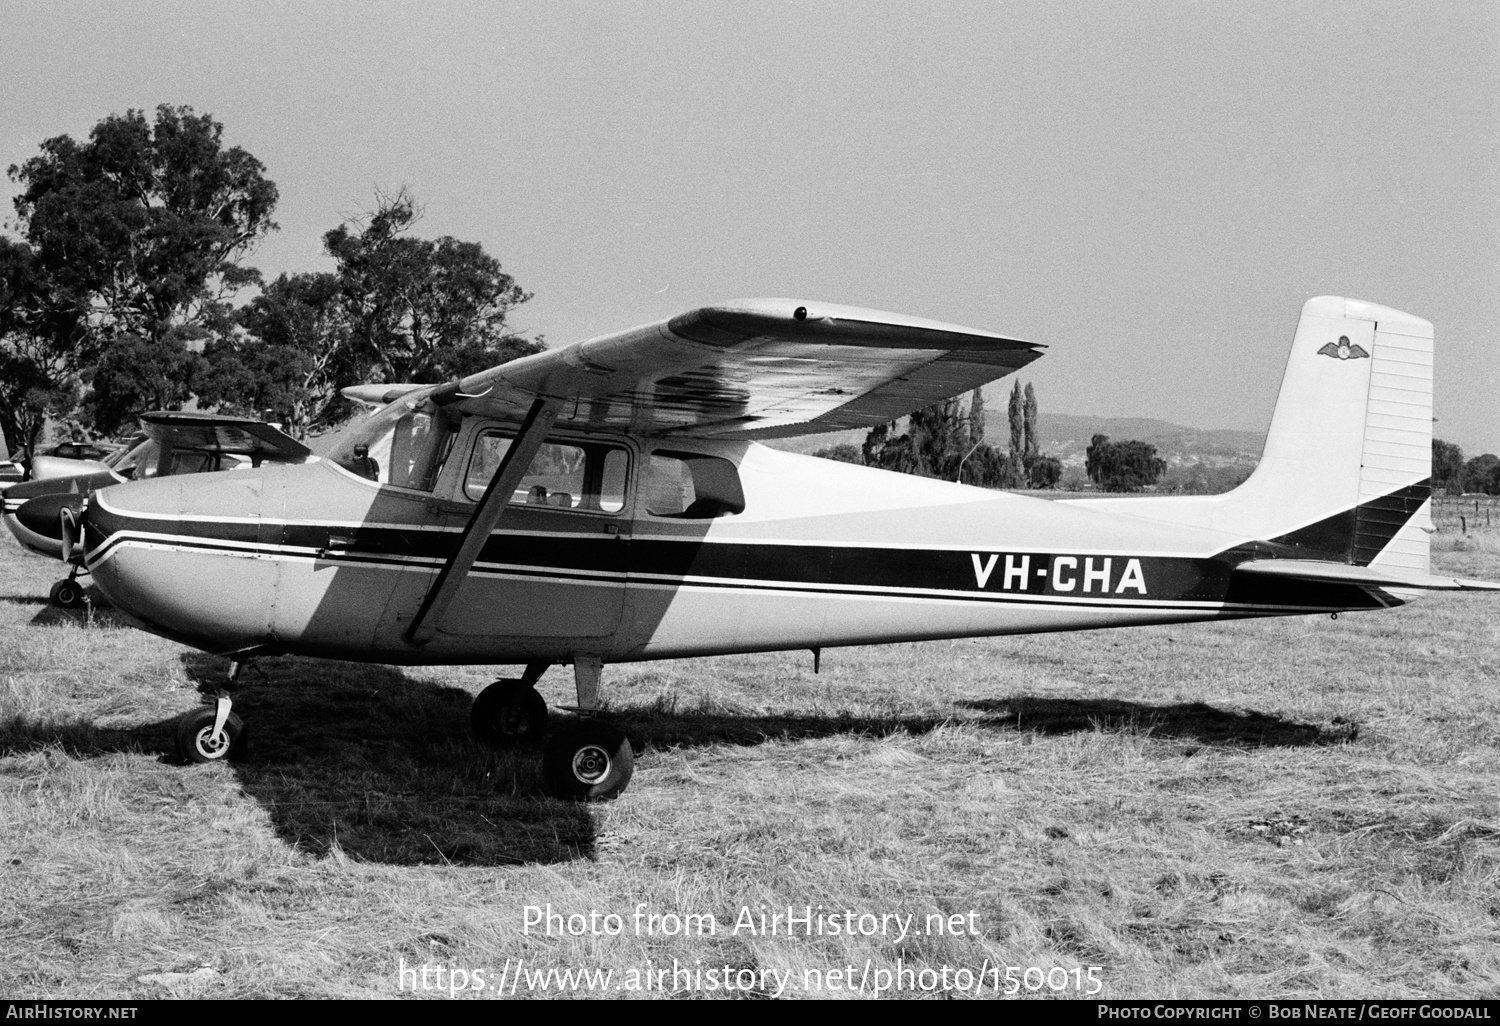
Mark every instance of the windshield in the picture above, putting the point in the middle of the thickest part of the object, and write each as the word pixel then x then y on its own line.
pixel 139 461
pixel 403 444
pixel 117 457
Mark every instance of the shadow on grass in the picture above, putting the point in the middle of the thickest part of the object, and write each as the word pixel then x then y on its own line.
pixel 25 600
pixel 665 727
pixel 662 726
pixel 359 757
pixel 1184 721
pixel 82 739
pixel 98 613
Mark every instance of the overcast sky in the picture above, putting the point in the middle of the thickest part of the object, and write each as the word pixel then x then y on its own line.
pixel 1151 190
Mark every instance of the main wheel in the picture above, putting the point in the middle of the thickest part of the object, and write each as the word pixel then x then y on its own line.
pixel 67 593
pixel 592 761
pixel 197 742
pixel 508 712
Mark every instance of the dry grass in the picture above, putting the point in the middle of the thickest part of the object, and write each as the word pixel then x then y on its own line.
pixel 1299 807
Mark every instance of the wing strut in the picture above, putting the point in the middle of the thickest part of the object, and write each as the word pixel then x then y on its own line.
pixel 497 496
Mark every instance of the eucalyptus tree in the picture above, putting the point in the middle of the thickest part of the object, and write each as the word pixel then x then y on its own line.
pixel 134 240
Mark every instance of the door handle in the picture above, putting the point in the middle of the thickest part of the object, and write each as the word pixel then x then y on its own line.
pixel 343 543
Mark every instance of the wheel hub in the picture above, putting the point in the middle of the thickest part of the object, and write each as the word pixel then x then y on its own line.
pixel 211 744
pixel 590 764
pixel 512 719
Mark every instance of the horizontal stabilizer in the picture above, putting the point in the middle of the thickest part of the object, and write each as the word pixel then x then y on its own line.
pixel 1343 573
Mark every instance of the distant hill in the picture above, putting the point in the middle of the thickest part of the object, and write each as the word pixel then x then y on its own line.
pixel 1067 437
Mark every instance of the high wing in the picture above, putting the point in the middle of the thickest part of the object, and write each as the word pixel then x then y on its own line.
pixel 755 368
pixel 1370 576
pixel 212 432
pixel 378 395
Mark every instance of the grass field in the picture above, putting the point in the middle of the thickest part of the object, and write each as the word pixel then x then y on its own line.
pixel 1300 807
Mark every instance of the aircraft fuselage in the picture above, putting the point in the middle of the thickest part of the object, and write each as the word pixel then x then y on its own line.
pixel 315 560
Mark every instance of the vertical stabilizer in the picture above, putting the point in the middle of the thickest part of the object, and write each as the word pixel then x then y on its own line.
pixel 1346 469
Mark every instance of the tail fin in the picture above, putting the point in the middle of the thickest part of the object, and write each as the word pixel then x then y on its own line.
pixel 1348 461
pixel 1346 469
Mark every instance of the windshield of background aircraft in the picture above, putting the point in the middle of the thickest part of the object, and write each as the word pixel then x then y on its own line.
pixel 139 461
pixel 117 457
pixel 404 444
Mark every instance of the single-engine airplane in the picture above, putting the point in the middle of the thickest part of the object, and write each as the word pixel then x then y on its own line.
pixel 170 443
pixel 607 502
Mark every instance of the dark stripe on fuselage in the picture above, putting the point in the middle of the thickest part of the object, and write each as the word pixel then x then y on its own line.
pixel 1049 577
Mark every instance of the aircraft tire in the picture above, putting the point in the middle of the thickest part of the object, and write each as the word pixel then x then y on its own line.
pixel 195 745
pixel 66 593
pixel 590 762
pixel 508 712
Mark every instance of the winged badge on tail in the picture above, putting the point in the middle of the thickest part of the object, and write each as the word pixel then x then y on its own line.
pixel 1344 350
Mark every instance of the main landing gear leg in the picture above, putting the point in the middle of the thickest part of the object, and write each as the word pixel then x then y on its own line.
pixel 510 711
pixel 212 733
pixel 592 759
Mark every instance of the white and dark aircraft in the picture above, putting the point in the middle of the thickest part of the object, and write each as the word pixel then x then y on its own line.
pixel 170 442
pixel 608 502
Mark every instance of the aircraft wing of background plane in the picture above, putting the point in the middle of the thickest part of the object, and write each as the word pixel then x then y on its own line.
pixel 755 368
pixel 213 432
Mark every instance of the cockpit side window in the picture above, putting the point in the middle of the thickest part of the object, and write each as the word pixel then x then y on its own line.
pixel 691 486
pixel 586 476
pixel 402 445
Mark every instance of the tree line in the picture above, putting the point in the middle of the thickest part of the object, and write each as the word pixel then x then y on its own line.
pixel 122 291
pixel 946 441
pixel 1452 474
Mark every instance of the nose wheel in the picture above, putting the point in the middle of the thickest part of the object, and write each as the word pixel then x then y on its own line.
pixel 67 593
pixel 210 733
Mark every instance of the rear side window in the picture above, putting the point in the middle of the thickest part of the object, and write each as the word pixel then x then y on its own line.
pixel 584 476
pixel 689 486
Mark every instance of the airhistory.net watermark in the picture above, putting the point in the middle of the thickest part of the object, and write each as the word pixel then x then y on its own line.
pixel 518 977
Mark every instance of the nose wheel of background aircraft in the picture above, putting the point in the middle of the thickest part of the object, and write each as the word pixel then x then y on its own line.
pixel 508 712
pixel 67 593
pixel 210 733
pixel 591 761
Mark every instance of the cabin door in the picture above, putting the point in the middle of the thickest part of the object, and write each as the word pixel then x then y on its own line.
pixel 554 567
